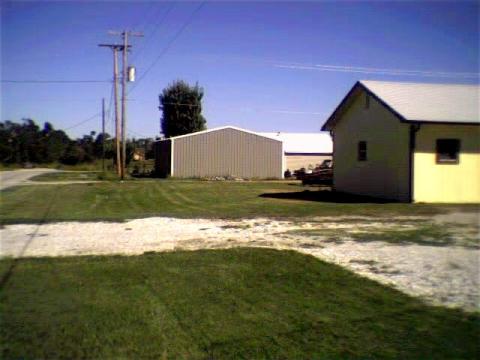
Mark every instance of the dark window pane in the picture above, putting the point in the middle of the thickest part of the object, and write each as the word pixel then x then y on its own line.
pixel 362 151
pixel 448 151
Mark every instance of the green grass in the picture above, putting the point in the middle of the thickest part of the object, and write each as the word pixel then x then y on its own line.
pixel 67 176
pixel 187 199
pixel 10 167
pixel 219 304
pixel 430 234
pixel 421 233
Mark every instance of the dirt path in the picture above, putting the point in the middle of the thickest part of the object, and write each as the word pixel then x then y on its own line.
pixel 19 177
pixel 442 273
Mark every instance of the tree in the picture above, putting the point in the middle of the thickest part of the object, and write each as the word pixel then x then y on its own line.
pixel 181 105
pixel 73 155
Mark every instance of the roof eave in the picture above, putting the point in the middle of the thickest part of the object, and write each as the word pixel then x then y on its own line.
pixel 330 123
pixel 441 122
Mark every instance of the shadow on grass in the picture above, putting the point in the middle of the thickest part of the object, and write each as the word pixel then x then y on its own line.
pixel 10 269
pixel 327 196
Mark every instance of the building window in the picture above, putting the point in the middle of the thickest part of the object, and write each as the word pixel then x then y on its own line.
pixel 362 151
pixel 448 151
pixel 367 101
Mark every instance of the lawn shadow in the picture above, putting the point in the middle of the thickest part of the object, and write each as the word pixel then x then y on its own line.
pixel 327 196
pixel 10 269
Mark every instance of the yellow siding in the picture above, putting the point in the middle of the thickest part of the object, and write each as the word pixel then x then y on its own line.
pixel 386 172
pixel 449 183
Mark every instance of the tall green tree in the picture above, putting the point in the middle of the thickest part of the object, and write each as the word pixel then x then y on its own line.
pixel 181 106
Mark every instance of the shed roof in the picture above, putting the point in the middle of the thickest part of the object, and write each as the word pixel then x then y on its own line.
pixel 217 129
pixel 303 143
pixel 421 102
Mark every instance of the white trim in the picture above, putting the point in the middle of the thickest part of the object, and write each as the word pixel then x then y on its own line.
pixel 171 157
pixel 221 128
pixel 284 159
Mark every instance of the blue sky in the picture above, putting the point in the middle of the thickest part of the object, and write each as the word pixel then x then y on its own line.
pixel 264 66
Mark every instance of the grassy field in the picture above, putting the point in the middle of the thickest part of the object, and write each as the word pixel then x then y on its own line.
pixel 424 232
pixel 218 304
pixel 143 198
pixel 67 176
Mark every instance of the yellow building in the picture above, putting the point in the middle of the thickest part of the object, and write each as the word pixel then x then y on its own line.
pixel 413 142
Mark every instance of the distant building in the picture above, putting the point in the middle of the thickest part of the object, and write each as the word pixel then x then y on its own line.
pixel 408 141
pixel 221 152
pixel 304 150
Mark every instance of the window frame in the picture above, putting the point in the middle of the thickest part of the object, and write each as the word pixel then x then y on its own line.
pixel 438 154
pixel 362 151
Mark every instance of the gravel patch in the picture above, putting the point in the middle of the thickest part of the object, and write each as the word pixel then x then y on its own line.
pixel 446 275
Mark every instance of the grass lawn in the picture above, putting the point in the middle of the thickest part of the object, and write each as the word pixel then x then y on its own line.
pixel 237 303
pixel 143 198
pixel 422 232
pixel 67 176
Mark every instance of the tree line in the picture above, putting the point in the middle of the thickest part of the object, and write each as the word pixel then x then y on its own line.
pixel 26 142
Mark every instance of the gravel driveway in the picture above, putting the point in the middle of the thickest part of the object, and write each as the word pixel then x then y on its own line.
pixel 445 274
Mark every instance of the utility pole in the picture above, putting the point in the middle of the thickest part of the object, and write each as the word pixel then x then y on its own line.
pixel 120 130
pixel 124 105
pixel 125 34
pixel 115 95
pixel 115 48
pixel 103 134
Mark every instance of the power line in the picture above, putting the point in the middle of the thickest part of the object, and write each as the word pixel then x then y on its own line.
pixel 375 71
pixel 54 81
pixel 141 17
pixel 155 29
pixel 169 44
pixel 109 109
pixel 181 104
pixel 83 121
pixel 133 132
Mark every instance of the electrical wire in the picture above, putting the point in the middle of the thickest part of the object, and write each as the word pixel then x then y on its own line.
pixel 83 121
pixel 53 81
pixel 141 17
pixel 169 44
pixel 181 104
pixel 155 29
pixel 109 108
pixel 133 132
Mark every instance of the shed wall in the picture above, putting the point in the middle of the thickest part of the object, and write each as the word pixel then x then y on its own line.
pixel 227 152
pixel 451 183
pixel 385 173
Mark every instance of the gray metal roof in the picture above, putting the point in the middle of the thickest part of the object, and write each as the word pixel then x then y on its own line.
pixel 450 103
pixel 303 143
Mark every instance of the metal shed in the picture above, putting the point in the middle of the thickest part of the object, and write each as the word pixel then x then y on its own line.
pixel 226 151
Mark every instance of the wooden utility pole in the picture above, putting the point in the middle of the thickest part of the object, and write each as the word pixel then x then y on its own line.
pixel 117 120
pixel 121 132
pixel 124 105
pixel 115 48
pixel 103 134
pixel 125 48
